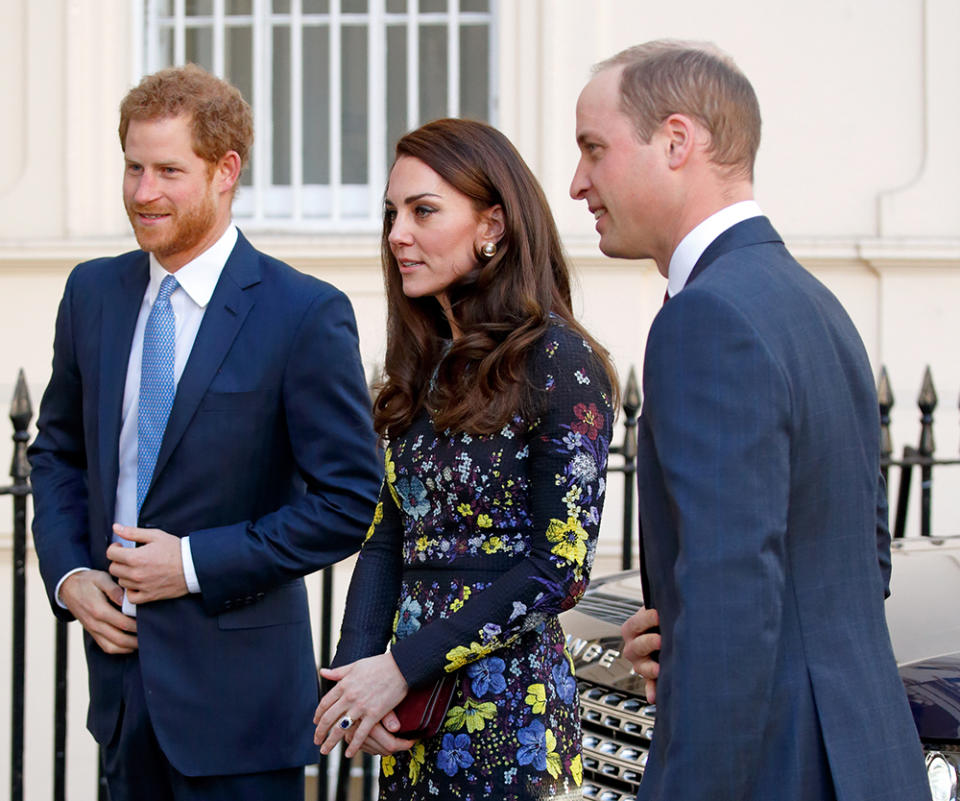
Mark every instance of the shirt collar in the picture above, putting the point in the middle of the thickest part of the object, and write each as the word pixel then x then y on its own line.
pixel 199 277
pixel 691 247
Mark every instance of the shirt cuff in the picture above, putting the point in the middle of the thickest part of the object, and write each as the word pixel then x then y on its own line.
pixel 56 593
pixel 189 571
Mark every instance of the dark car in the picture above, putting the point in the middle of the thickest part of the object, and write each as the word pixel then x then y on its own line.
pixel 923 614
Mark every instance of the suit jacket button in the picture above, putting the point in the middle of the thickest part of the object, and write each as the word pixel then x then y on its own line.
pixel 261 596
pixel 250 599
pixel 227 604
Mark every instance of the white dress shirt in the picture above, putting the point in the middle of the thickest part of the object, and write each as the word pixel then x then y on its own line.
pixel 197 280
pixel 693 245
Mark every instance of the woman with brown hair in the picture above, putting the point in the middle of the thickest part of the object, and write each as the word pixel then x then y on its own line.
pixel 496 408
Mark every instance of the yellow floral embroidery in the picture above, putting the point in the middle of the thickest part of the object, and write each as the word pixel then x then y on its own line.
pixel 571 500
pixel 465 510
pixel 537 698
pixel 576 769
pixel 492 545
pixel 461 655
pixel 390 469
pixel 484 521
pixel 422 542
pixel 571 539
pixel 553 758
pixel 416 761
pixel 471 714
pixel 377 519
pixel 389 762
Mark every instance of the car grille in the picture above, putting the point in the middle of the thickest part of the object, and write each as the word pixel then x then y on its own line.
pixel 609 608
pixel 616 740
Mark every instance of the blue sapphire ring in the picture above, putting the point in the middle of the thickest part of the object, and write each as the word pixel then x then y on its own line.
pixel 345 722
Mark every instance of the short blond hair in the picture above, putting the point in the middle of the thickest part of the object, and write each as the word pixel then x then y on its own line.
pixel 666 76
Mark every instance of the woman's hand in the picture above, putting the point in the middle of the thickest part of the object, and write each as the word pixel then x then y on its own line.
pixel 381 742
pixel 365 694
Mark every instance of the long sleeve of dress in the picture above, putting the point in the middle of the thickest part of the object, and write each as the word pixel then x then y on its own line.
pixel 535 491
pixel 374 586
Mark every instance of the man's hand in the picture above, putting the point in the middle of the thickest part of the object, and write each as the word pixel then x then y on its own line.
pixel 151 572
pixel 88 595
pixel 638 645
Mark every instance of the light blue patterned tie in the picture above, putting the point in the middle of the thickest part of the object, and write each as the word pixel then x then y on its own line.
pixel 156 385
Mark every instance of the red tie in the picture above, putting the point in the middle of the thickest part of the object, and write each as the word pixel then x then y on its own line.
pixel 666 296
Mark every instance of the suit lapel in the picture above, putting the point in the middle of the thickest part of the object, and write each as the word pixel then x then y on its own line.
pixel 226 312
pixel 120 309
pixel 753 231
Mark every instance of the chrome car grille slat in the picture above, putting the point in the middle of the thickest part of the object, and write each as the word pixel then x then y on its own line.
pixel 616 741
pixel 609 608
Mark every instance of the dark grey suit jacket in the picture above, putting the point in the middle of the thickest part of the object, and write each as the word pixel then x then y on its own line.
pixel 766 542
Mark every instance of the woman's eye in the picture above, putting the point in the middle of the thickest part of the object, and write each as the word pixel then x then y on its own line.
pixel 424 211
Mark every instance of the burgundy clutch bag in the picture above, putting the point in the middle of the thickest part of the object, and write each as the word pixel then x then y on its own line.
pixel 423 709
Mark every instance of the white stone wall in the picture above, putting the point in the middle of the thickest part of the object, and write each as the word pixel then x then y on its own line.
pixel 858 170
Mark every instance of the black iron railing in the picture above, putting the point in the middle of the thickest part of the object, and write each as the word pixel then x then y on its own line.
pixel 921 458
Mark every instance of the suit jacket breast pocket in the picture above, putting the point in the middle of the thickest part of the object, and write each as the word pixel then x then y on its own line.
pixel 286 604
pixel 235 401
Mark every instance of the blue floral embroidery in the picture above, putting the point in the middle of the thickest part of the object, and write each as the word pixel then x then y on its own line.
pixel 455 754
pixel 565 683
pixel 409 619
pixel 414 496
pixel 533 750
pixel 487 674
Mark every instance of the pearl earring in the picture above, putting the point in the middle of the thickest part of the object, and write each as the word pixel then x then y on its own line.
pixel 489 249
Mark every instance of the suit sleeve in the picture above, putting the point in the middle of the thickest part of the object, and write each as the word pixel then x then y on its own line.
pixel 327 408
pixel 568 447
pixel 883 536
pixel 718 408
pixel 58 464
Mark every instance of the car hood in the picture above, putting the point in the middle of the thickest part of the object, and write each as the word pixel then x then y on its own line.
pixel 921 615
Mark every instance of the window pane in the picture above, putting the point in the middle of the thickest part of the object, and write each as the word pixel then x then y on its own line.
pixel 281 6
pixel 428 6
pixel 238 62
pixel 281 106
pixel 474 5
pixel 353 6
pixel 433 72
pixel 474 72
pixel 199 47
pixel 316 6
pixel 165 46
pixel 237 7
pixel 396 87
pixel 396 6
pixel 199 8
pixel 163 7
pixel 316 106
pixel 354 121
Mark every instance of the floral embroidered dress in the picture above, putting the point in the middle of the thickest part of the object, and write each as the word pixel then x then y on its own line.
pixel 477 544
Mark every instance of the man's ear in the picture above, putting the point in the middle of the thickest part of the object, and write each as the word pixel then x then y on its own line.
pixel 680 133
pixel 492 225
pixel 226 171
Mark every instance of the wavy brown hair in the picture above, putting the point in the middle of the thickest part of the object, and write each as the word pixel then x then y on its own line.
pixel 502 306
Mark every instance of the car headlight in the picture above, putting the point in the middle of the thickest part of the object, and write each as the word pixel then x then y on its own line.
pixel 942 775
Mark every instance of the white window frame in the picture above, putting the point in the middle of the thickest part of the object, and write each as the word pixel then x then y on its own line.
pixel 333 207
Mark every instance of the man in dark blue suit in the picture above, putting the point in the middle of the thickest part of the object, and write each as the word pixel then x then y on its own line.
pixel 763 528
pixel 207 405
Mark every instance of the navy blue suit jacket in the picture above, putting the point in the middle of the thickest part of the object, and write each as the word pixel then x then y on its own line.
pixel 762 522
pixel 268 463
